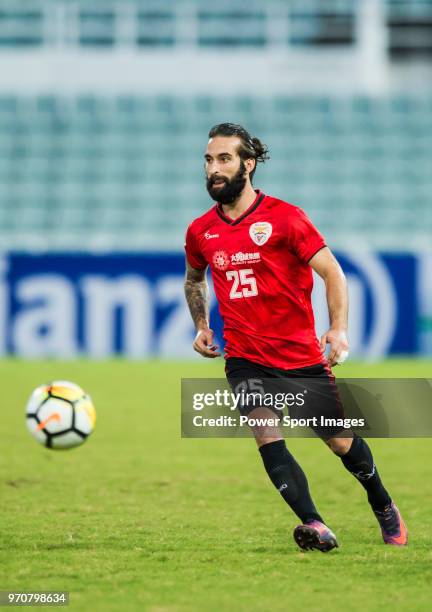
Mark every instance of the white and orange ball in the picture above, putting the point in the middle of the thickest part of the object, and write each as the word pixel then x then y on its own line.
pixel 60 415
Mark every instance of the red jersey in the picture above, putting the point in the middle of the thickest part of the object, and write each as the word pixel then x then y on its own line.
pixel 262 280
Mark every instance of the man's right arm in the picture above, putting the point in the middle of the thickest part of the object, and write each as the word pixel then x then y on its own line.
pixel 197 298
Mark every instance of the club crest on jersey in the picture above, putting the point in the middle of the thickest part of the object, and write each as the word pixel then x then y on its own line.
pixel 220 260
pixel 260 232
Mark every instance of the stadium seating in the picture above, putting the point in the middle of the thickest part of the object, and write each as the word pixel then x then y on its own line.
pixel 244 23
pixel 126 172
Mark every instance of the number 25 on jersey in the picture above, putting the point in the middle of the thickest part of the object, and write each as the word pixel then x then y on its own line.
pixel 243 283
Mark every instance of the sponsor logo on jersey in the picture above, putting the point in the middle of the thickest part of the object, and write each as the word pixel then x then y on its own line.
pixel 260 232
pixel 208 236
pixel 221 260
pixel 240 257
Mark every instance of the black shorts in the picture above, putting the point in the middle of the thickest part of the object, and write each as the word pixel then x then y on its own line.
pixel 307 393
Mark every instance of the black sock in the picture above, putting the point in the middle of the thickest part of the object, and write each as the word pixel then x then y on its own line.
pixel 290 480
pixel 359 461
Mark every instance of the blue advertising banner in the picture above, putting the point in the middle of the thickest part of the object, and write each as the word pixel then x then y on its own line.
pixel 66 305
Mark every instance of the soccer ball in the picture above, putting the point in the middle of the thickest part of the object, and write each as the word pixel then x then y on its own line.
pixel 60 415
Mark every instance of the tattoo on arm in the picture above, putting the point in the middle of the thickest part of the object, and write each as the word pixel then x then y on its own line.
pixel 197 295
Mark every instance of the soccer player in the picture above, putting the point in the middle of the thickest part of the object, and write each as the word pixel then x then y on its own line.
pixel 261 252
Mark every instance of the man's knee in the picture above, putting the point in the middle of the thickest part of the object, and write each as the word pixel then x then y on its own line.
pixel 340 446
pixel 264 426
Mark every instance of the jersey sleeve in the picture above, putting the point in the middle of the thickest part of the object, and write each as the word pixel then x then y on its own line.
pixel 193 253
pixel 304 239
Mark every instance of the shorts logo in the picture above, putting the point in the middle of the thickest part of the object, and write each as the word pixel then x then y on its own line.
pixel 260 232
pixel 220 260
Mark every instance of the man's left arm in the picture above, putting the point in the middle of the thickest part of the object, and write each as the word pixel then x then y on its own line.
pixel 327 266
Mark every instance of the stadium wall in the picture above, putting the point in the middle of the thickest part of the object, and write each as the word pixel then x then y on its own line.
pixel 132 305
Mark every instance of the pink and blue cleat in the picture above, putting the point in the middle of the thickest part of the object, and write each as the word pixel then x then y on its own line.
pixel 393 528
pixel 315 535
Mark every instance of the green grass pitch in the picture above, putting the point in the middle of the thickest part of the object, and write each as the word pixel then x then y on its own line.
pixel 141 519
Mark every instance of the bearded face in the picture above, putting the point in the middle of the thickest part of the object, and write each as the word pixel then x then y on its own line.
pixel 225 190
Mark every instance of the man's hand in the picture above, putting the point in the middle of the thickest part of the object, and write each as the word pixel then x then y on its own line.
pixel 203 343
pixel 337 338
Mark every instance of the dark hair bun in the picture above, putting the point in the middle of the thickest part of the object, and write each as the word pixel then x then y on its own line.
pixel 261 150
